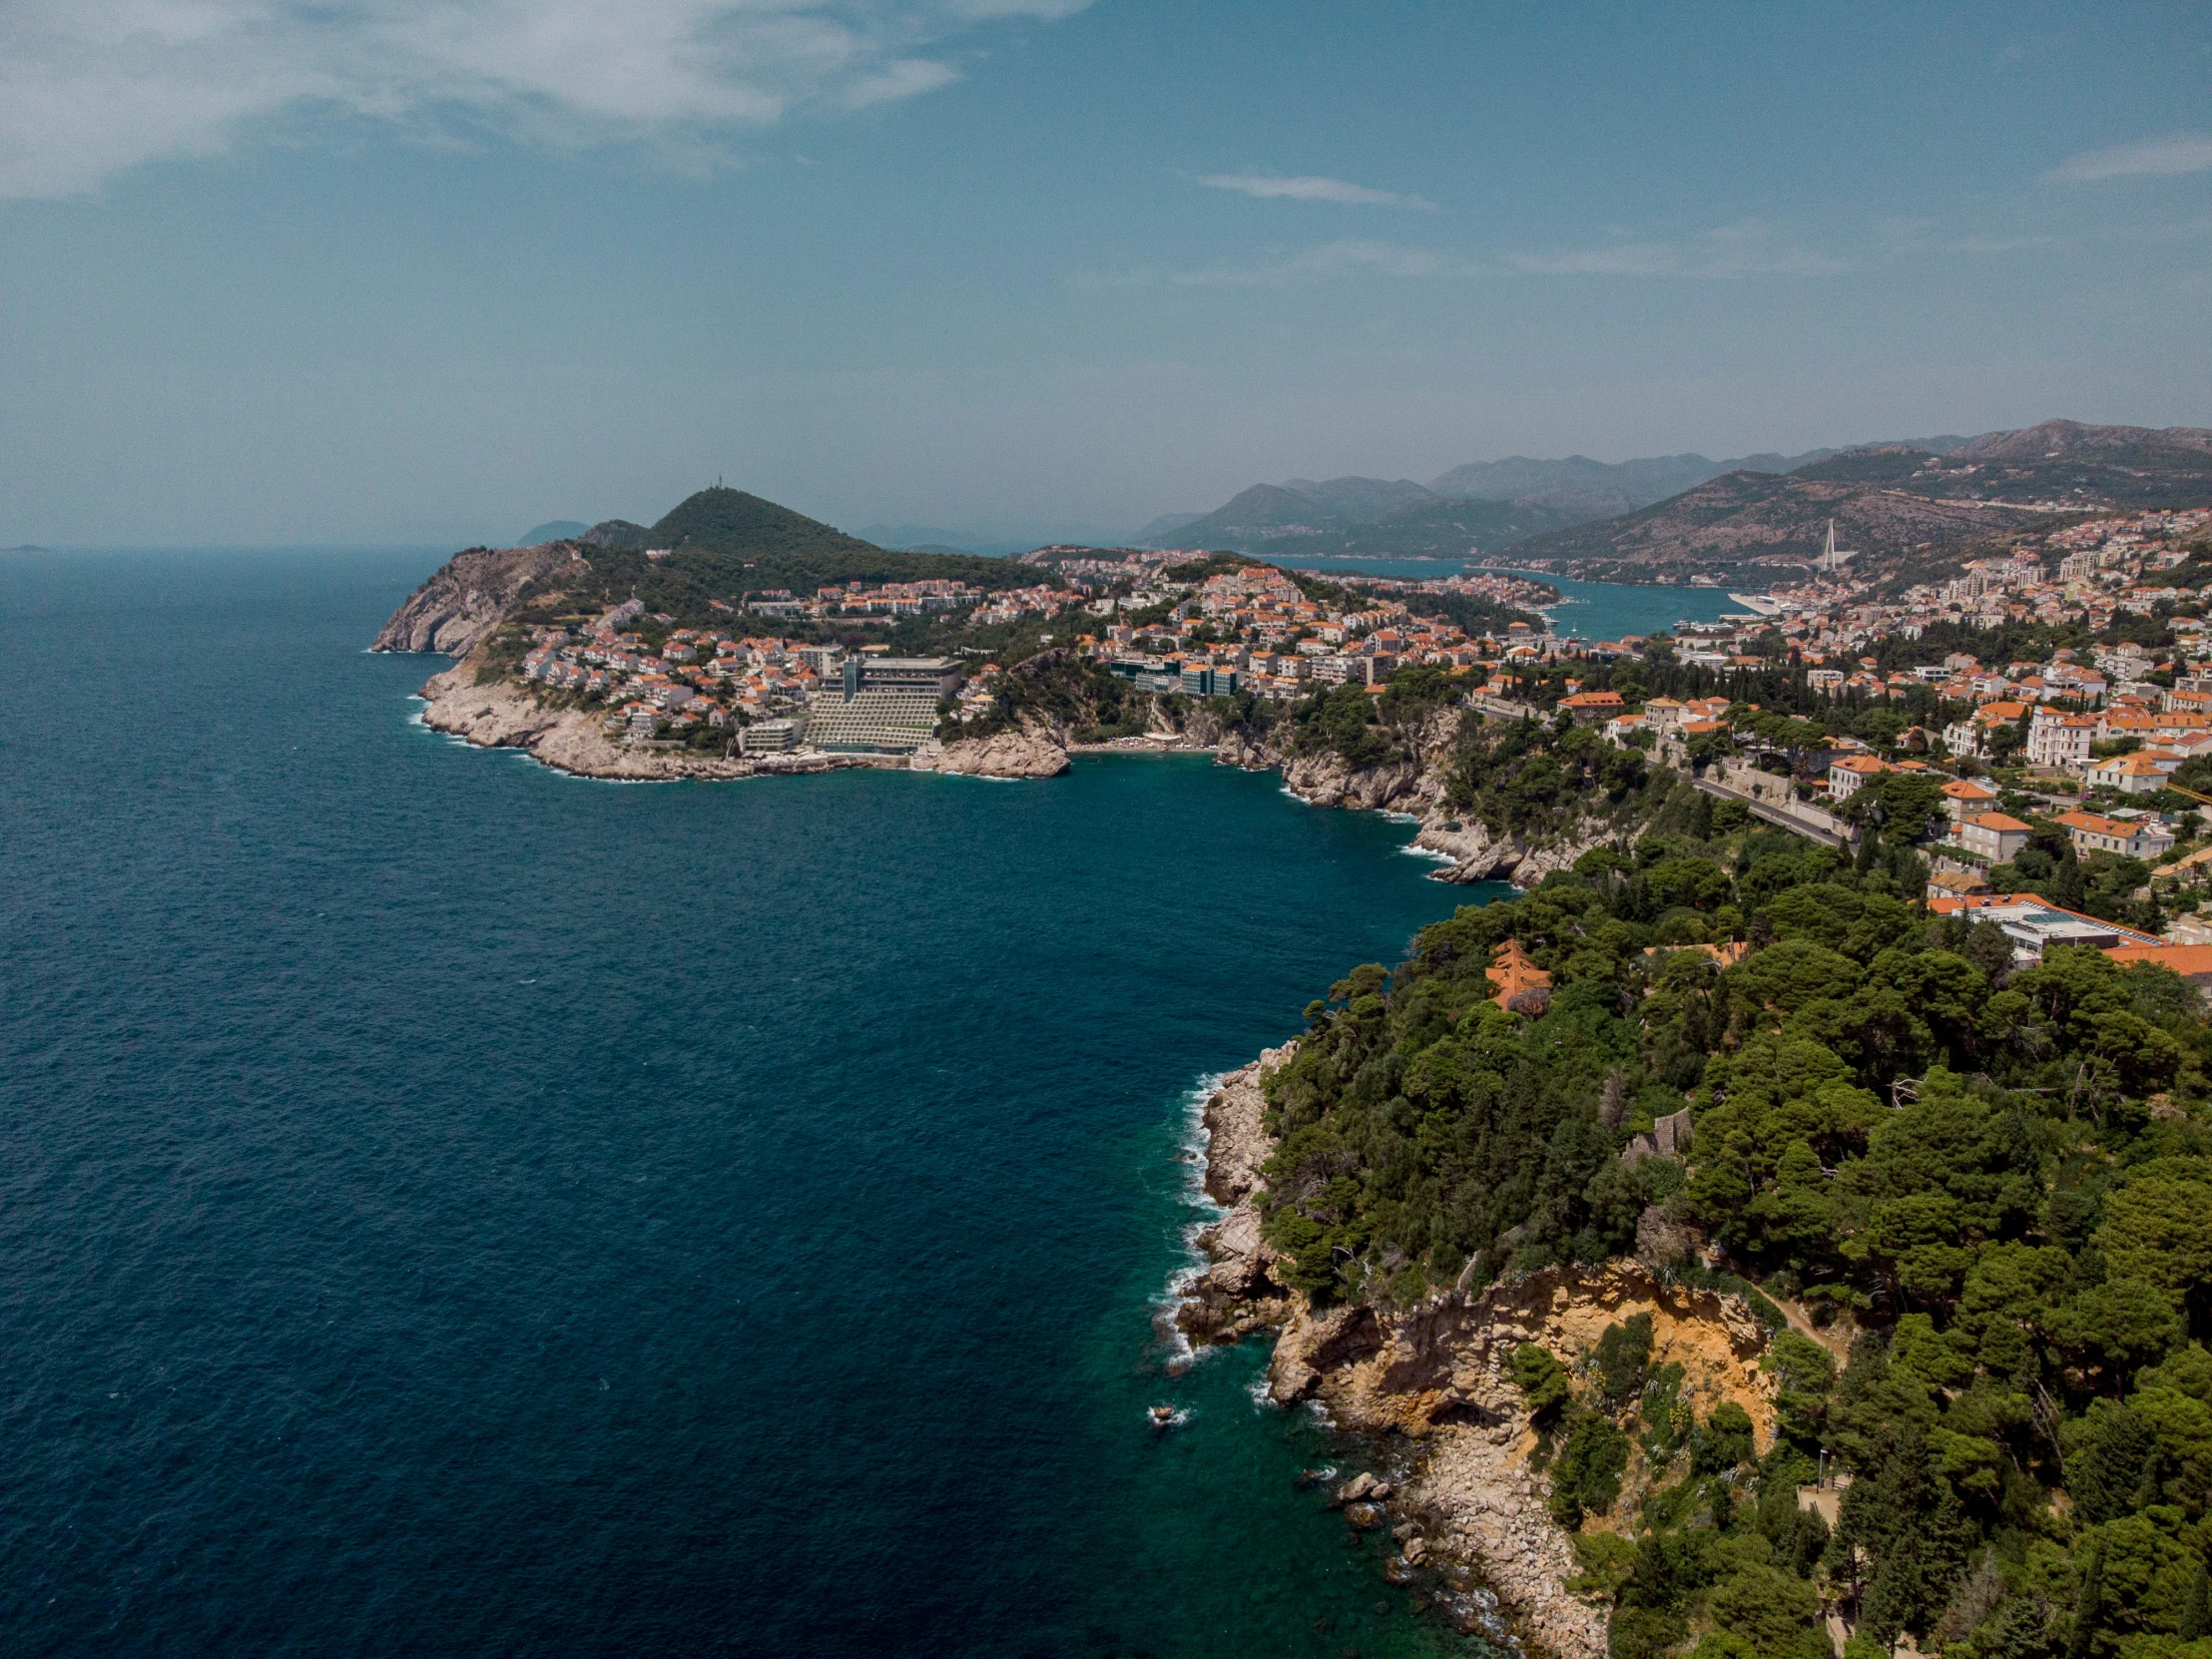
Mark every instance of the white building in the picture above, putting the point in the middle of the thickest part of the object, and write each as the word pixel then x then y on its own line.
pixel 1847 776
pixel 2060 740
pixel 2143 772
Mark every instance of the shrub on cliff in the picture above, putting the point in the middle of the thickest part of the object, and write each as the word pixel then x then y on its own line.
pixel 1586 1476
pixel 1542 1381
pixel 1623 1353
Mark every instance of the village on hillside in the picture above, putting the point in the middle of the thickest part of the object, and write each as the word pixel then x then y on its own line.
pixel 1252 629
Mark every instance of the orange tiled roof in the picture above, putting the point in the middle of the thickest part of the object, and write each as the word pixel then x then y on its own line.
pixel 1512 973
pixel 2187 960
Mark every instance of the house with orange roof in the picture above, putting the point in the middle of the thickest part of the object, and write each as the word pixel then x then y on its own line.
pixel 2061 741
pixel 2124 722
pixel 1994 835
pixel 1522 987
pixel 1593 705
pixel 1962 795
pixel 2143 772
pixel 1850 773
pixel 2141 837
pixel 2192 962
pixel 1956 884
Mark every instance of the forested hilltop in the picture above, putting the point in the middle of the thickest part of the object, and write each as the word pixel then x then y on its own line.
pixel 1984 1190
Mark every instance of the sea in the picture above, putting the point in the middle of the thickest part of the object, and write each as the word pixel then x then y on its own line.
pixel 451 1208
pixel 1588 610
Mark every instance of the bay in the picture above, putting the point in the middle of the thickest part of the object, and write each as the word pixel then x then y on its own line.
pixel 1589 610
pixel 451 1208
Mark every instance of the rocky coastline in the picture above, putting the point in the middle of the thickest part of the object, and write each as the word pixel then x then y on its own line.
pixel 1029 751
pixel 501 714
pixel 1430 1388
pixel 1416 787
pixel 468 597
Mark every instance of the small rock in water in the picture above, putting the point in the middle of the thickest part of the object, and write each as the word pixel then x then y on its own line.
pixel 1364 1517
pixel 1380 1491
pixel 1305 1479
pixel 1398 1570
pixel 1416 1551
pixel 1358 1488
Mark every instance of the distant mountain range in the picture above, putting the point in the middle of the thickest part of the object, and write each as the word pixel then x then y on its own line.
pixel 932 538
pixel 1550 495
pixel 1598 489
pixel 1673 516
pixel 1888 500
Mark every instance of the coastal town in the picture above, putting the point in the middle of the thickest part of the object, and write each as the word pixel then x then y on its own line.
pixel 2097 753
pixel 1251 629
pixel 2048 705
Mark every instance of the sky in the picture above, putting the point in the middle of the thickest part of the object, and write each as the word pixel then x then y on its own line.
pixel 431 271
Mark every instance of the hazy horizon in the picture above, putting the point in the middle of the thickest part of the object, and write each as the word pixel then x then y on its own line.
pixel 406 275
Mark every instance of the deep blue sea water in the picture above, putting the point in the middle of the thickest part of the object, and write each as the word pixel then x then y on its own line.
pixel 450 1207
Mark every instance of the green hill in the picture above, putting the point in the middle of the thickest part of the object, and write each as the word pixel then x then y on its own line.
pixel 723 544
pixel 1447 529
pixel 729 541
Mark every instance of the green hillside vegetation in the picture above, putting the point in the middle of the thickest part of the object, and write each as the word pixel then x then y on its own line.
pixel 1890 463
pixel 1449 529
pixel 776 548
pixel 725 544
pixel 2001 1176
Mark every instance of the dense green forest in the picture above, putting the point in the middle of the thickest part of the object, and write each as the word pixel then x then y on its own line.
pixel 2000 1176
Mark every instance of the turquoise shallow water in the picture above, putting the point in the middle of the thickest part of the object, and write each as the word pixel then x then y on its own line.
pixel 1593 610
pixel 450 1207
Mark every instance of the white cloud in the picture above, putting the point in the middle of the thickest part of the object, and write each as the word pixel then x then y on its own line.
pixel 2174 153
pixel 91 87
pixel 1742 252
pixel 1268 187
pixel 1330 258
pixel 1730 253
